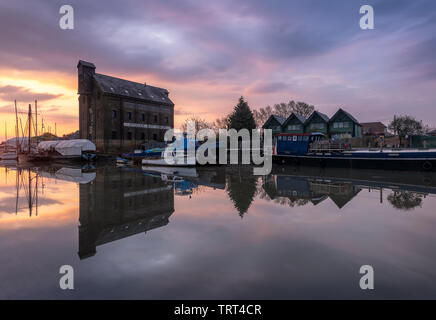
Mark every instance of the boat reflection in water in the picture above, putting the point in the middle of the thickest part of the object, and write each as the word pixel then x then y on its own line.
pixel 29 183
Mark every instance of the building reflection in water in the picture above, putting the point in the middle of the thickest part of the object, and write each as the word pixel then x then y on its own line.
pixel 406 191
pixel 298 191
pixel 120 203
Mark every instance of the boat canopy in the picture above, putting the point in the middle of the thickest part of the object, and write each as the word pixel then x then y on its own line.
pixel 67 147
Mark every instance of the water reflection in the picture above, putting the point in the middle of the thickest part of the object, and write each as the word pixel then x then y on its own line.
pixel 120 203
pixel 166 231
pixel 300 187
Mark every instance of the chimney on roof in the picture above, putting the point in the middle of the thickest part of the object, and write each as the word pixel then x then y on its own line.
pixel 86 71
pixel 145 84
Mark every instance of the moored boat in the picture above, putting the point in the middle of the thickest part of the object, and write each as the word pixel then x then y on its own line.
pixel 313 149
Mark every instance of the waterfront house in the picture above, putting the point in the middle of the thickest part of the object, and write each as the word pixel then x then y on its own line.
pixel 317 122
pixel 274 123
pixel 119 115
pixel 344 125
pixel 374 129
pixel 294 124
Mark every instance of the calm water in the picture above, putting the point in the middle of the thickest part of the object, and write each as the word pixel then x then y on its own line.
pixel 217 233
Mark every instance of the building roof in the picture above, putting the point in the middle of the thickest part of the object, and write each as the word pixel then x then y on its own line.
pixel 126 88
pixel 346 113
pixel 300 117
pixel 294 115
pixel 279 119
pixel 320 114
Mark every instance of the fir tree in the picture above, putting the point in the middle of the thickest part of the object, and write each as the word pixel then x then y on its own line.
pixel 242 117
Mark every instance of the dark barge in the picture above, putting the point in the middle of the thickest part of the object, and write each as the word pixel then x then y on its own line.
pixel 313 150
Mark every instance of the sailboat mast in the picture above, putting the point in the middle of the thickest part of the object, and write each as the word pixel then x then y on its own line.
pixel 30 126
pixel 17 132
pixel 36 121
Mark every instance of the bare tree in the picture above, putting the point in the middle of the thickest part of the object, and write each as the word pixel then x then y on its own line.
pixel 405 125
pixel 220 123
pixel 199 123
pixel 283 110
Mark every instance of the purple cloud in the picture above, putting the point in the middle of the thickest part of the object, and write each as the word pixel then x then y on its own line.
pixel 11 93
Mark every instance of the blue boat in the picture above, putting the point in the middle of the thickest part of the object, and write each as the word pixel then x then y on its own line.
pixel 138 155
pixel 314 149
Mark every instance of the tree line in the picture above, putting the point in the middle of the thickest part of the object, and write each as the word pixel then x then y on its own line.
pixel 243 116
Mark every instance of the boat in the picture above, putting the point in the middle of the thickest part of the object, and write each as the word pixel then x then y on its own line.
pixel 314 150
pixel 58 150
pixel 175 155
pixel 137 155
pixel 177 161
pixel 122 161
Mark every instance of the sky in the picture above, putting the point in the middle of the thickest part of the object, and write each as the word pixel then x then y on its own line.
pixel 209 53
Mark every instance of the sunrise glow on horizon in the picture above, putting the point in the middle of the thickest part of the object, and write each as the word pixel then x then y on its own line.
pixel 209 54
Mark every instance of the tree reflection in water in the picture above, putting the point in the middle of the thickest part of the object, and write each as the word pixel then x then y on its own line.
pixel 241 189
pixel 405 200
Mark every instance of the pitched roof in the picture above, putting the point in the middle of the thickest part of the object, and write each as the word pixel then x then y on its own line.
pixel 132 89
pixel 279 119
pixel 347 114
pixel 320 114
pixel 299 117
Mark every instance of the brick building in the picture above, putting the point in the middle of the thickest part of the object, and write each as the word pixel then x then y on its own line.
pixel 119 115
pixel 374 129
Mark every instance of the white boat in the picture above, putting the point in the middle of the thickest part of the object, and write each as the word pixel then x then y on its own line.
pixel 65 149
pixel 174 160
